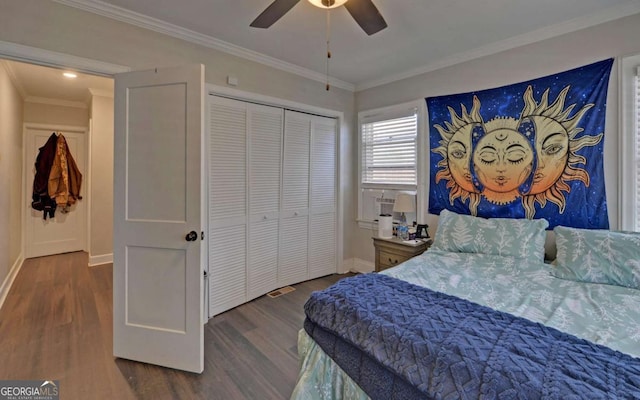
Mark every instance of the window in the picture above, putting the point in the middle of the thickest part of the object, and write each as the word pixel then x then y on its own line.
pixel 630 145
pixel 389 151
pixel 389 158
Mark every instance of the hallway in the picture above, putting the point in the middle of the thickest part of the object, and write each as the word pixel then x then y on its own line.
pixel 56 325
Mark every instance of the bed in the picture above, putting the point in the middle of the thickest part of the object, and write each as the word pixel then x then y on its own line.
pixel 576 322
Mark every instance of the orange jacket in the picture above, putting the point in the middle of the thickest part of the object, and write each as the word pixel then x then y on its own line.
pixel 65 180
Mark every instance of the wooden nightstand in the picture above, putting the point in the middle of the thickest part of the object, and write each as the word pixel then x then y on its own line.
pixel 391 252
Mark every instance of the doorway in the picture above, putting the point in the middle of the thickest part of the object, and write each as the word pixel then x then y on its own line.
pixel 81 108
pixel 140 308
pixel 66 230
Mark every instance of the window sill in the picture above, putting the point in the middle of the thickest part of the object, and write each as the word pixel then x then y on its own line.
pixel 364 224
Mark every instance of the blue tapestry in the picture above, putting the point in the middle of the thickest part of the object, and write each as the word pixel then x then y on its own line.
pixel 529 150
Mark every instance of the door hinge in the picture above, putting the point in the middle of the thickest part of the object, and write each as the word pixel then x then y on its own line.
pixel 201 235
pixel 205 274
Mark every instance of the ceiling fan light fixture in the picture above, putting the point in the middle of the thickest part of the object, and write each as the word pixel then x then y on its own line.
pixel 327 3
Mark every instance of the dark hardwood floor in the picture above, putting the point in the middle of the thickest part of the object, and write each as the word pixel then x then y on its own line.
pixel 56 324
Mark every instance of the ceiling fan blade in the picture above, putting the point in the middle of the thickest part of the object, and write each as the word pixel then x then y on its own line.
pixel 274 12
pixel 366 15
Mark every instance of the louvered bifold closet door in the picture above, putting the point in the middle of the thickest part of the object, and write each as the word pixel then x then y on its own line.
pixel 265 149
pixel 227 204
pixel 322 222
pixel 294 222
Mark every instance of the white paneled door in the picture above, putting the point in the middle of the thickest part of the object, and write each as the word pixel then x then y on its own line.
pixel 158 273
pixel 66 231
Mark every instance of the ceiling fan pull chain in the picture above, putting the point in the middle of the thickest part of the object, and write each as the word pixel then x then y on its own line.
pixel 328 45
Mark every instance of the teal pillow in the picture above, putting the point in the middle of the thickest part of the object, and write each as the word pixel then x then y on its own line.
pixel 598 256
pixel 520 238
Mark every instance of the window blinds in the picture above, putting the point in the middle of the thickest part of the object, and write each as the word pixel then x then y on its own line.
pixel 389 150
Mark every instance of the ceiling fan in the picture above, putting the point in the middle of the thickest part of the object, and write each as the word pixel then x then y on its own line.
pixel 363 11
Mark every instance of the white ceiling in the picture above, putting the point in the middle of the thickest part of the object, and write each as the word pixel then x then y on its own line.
pixel 423 35
pixel 43 84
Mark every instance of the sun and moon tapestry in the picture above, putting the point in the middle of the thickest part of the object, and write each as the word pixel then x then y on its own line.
pixel 528 150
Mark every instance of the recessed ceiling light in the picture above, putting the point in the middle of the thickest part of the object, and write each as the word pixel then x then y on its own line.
pixel 70 75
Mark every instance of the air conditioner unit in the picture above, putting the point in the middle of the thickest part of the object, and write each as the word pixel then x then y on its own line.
pixel 385 205
pixel 376 202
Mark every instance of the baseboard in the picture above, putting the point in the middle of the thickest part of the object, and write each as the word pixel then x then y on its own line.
pixel 346 266
pixel 101 259
pixel 8 281
pixel 362 266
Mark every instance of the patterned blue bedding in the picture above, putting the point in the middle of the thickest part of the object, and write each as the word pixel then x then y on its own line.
pixel 603 314
pixel 432 345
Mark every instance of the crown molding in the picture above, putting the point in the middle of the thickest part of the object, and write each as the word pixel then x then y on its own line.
pixel 538 35
pixel 117 13
pixel 100 92
pixel 14 78
pixel 93 92
pixel 55 102
pixel 133 18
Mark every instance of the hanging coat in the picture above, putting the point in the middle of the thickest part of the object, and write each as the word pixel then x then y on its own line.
pixel 44 161
pixel 65 179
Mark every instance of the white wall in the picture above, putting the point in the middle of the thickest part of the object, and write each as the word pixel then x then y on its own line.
pixel 11 111
pixel 55 27
pixel 101 195
pixel 53 114
pixel 612 39
pixel 52 26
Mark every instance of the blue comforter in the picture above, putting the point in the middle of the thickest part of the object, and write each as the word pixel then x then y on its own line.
pixel 398 340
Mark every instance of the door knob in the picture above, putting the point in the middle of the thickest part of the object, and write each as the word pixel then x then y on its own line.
pixel 191 236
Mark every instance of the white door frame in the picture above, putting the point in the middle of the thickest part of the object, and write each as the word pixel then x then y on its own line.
pixel 48 58
pixel 27 188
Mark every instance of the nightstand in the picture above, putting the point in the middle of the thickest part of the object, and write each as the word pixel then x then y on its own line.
pixel 391 252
